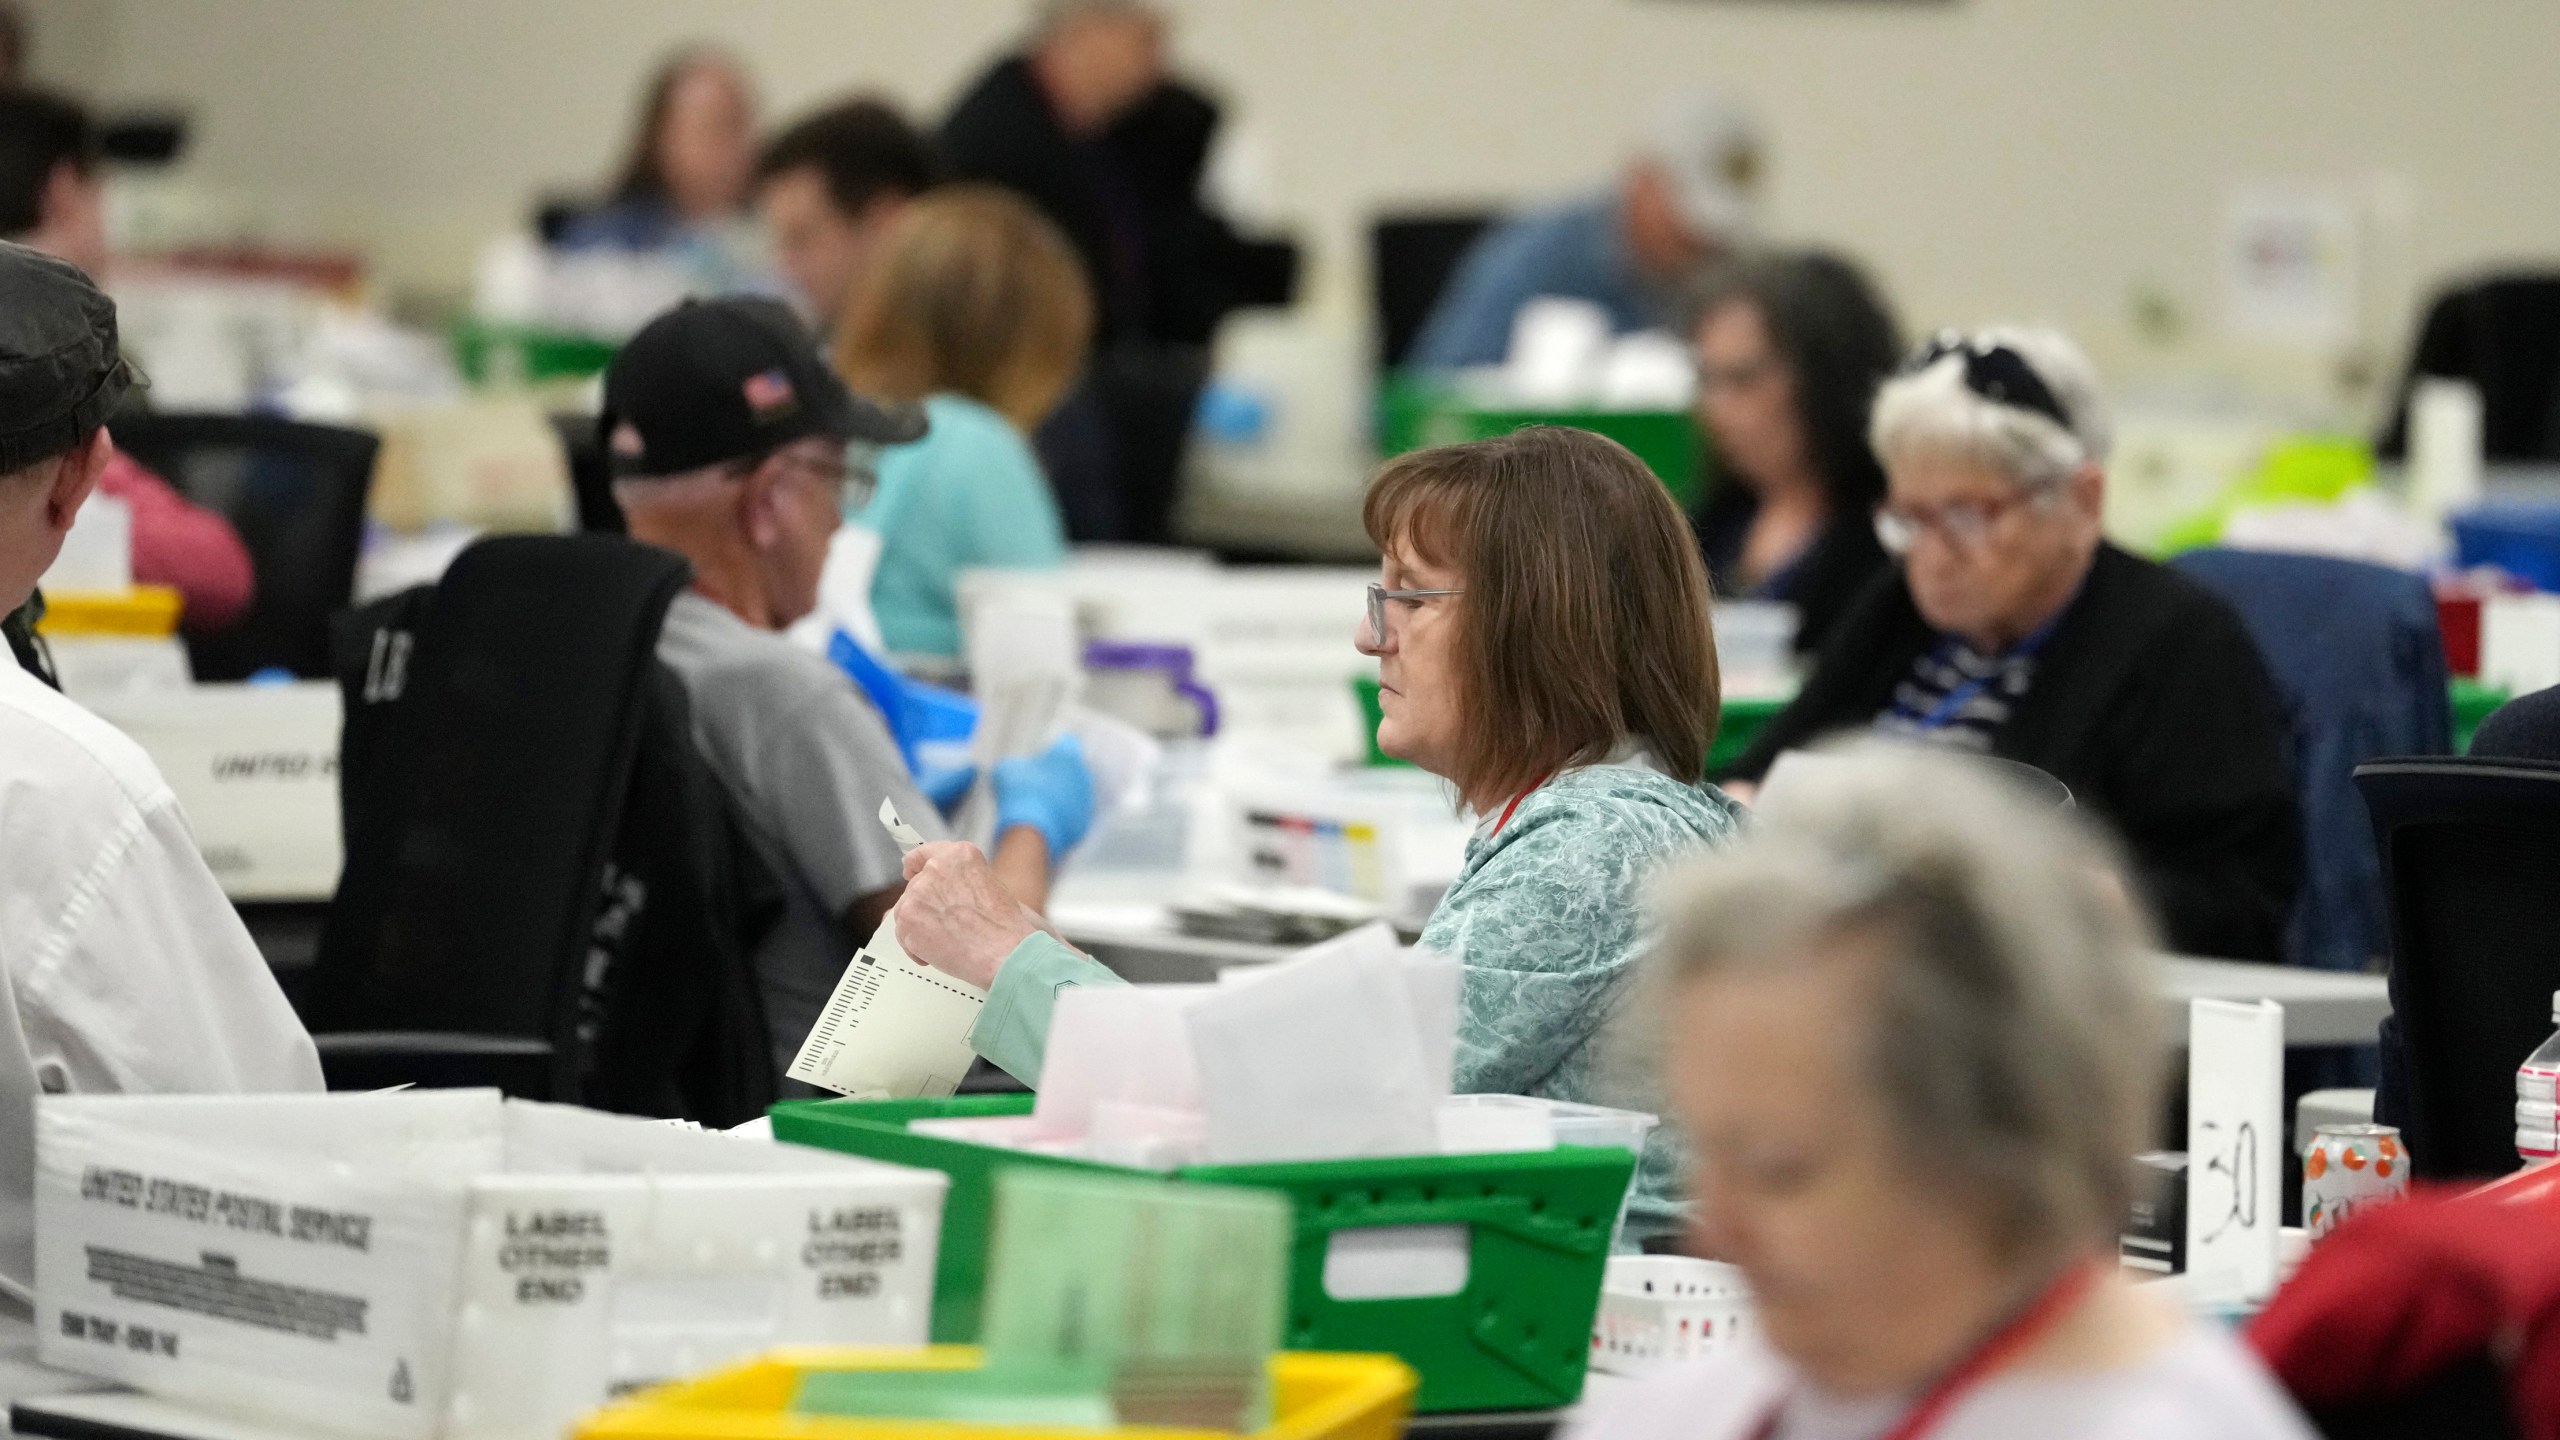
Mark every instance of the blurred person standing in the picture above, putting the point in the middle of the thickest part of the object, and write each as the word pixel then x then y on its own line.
pixel 1790 349
pixel 1088 123
pixel 828 189
pixel 1906 1023
pixel 1689 198
pixel 53 199
pixel 123 967
pixel 683 187
pixel 975 308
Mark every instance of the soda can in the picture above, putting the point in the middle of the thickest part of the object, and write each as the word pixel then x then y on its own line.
pixel 2347 1168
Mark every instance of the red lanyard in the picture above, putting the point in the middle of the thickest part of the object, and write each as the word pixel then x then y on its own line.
pixel 2022 1330
pixel 1515 803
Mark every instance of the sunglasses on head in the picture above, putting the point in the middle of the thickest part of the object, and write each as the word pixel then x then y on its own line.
pixel 1993 371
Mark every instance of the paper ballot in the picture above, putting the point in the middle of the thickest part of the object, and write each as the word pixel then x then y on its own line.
pixel 895 1028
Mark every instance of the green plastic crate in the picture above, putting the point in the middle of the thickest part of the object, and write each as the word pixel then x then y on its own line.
pixel 1518 1337
pixel 1414 412
pixel 2472 702
pixel 490 353
pixel 1742 722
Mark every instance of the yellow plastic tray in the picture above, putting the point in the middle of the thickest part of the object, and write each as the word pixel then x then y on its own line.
pixel 149 611
pixel 1315 1397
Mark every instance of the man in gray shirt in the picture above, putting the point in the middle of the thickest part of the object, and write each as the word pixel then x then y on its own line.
pixel 729 438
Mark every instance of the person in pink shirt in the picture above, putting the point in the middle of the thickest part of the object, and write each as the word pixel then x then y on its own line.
pixel 51 199
pixel 183 546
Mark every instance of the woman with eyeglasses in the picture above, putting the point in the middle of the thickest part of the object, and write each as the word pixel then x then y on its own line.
pixel 1543 644
pixel 2011 627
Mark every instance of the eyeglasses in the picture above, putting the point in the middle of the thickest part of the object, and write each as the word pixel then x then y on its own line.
pixel 1964 524
pixel 1379 595
pixel 1997 373
pixel 851 484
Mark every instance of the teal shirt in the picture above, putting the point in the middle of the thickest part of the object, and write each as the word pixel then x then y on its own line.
pixel 970 493
pixel 1548 915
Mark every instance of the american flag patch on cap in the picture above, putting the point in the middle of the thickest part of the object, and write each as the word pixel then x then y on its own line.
pixel 769 394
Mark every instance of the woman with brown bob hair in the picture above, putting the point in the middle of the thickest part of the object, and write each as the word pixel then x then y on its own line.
pixel 1543 644
pixel 978 308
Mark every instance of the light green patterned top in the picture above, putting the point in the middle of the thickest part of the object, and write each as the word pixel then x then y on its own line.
pixel 1548 917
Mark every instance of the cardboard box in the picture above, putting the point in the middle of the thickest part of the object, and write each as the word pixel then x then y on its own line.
pixel 432 1265
pixel 255 767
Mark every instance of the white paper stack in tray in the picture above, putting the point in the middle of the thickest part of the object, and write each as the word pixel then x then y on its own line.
pixel 446 1264
pixel 1343 1050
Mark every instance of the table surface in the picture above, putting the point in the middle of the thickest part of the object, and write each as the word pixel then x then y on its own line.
pixel 2321 1007
pixel 96 1410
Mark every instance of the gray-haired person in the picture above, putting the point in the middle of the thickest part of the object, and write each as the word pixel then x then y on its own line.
pixel 2012 627
pixel 1907 1027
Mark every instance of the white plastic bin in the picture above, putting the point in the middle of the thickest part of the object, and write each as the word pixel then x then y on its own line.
pixel 1658 1310
pixel 433 1265
pixel 1487 1124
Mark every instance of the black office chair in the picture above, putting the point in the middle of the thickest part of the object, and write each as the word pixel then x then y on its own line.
pixel 543 889
pixel 1411 258
pixel 2502 333
pixel 296 493
pixel 590 476
pixel 2471 865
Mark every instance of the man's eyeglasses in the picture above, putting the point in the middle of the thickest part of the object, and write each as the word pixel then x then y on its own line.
pixel 1379 595
pixel 848 473
pixel 1997 373
pixel 1964 524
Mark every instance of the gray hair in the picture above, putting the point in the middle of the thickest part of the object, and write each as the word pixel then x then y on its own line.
pixel 2013 1045
pixel 1931 412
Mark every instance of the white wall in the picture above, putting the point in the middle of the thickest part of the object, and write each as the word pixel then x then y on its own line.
pixel 2042 158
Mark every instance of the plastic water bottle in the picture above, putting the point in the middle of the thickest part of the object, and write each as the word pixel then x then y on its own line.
pixel 2538 1097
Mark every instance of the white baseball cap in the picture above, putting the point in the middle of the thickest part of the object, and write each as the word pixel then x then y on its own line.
pixel 1709 147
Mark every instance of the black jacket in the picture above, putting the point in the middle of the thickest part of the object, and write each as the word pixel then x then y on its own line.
pixel 1832 575
pixel 1164 268
pixel 2151 703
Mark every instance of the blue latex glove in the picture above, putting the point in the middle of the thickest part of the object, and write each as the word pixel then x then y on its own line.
pixel 1052 792
pixel 945 785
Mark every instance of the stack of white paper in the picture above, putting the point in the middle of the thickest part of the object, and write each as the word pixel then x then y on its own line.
pixel 1320 1058
pixel 1344 1049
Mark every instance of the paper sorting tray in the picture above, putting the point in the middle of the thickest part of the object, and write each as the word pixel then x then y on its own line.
pixel 1314 1397
pixel 435 1265
pixel 1510 1247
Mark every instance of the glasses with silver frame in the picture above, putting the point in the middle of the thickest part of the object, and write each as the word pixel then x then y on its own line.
pixel 1379 595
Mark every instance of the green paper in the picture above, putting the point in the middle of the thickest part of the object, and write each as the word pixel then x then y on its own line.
pixel 985 1397
pixel 1168 1299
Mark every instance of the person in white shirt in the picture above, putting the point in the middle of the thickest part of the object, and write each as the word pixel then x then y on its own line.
pixel 1907 1027
pixel 122 966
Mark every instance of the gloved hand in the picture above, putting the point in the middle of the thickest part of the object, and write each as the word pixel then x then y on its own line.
pixel 1052 792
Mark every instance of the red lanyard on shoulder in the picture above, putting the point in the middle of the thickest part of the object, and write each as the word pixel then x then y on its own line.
pixel 2003 1345
pixel 1515 802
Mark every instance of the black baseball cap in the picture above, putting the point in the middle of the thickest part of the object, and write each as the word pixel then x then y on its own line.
pixel 61 370
pixel 717 380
